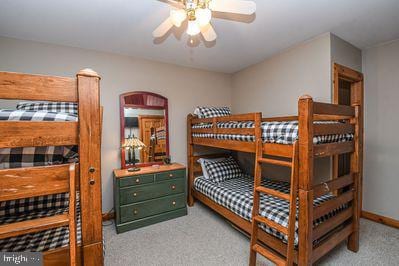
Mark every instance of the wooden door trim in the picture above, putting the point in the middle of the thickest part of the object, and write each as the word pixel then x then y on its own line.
pixel 356 79
pixel 346 73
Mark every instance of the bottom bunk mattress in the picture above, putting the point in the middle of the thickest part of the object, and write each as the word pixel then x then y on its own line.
pixel 32 208
pixel 237 196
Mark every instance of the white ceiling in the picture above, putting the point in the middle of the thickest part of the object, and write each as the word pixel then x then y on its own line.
pixel 125 27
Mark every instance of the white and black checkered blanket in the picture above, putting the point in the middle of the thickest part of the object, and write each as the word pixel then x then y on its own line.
pixel 44 240
pixel 30 208
pixel 237 196
pixel 272 132
pixel 36 156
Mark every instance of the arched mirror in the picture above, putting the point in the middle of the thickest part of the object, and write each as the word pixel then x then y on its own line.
pixel 144 129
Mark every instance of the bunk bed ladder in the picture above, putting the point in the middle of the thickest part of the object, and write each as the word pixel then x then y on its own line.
pixel 257 218
pixel 18 184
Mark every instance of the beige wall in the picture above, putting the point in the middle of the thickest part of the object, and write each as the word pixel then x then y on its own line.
pixel 184 87
pixel 345 53
pixel 274 86
pixel 381 181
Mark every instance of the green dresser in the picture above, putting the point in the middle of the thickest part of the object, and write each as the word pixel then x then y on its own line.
pixel 149 196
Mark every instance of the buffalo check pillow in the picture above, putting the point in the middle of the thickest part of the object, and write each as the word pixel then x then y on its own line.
pixel 209 112
pixel 56 107
pixel 220 171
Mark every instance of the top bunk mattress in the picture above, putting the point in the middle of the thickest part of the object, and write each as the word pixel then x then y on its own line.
pixel 36 156
pixel 285 132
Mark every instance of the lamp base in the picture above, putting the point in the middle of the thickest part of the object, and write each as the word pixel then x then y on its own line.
pixel 133 169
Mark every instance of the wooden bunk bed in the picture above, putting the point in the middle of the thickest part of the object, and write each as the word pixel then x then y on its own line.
pixel 25 182
pixel 314 241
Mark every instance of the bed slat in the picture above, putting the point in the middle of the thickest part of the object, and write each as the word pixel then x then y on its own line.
pixel 16 86
pixel 332 204
pixel 331 242
pixel 34 134
pixel 19 183
pixel 332 223
pixel 280 119
pixel 32 226
pixel 332 185
pixel 225 144
pixel 333 109
pixel 333 129
pixel 329 149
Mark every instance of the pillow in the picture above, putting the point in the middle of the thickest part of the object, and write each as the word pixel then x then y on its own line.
pixel 209 112
pixel 57 107
pixel 223 170
pixel 202 162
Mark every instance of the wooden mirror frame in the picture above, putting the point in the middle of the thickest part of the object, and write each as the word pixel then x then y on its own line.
pixel 122 105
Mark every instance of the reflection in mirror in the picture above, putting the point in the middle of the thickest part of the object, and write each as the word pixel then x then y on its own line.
pixel 144 133
pixel 149 127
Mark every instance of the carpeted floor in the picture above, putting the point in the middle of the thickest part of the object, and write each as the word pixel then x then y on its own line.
pixel 204 238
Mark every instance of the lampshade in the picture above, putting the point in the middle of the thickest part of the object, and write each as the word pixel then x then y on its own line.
pixel 204 16
pixel 193 28
pixel 178 16
pixel 133 142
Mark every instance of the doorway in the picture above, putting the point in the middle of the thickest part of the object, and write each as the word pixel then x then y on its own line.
pixel 348 90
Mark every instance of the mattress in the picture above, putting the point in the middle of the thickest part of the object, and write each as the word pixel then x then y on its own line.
pixel 272 132
pixel 44 240
pixel 36 156
pixel 36 207
pixel 237 196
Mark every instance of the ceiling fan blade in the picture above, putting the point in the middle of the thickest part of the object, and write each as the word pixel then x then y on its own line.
pixel 209 33
pixel 163 28
pixel 175 3
pixel 233 6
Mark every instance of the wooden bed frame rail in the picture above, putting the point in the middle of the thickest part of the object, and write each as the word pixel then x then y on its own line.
pixel 328 234
pixel 84 90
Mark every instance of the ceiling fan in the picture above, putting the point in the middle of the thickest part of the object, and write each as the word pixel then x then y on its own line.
pixel 199 15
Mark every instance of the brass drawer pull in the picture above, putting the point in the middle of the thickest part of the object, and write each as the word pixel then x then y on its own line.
pixel 134 194
pixel 170 175
pixel 138 180
pixel 173 187
pixel 135 212
pixel 174 203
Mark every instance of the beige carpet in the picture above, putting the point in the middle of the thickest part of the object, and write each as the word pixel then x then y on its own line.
pixel 204 238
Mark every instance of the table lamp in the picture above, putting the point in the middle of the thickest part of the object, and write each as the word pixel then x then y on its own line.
pixel 131 143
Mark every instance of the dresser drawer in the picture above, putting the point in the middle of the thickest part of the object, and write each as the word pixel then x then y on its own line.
pixel 136 180
pixel 151 191
pixel 170 175
pixel 151 207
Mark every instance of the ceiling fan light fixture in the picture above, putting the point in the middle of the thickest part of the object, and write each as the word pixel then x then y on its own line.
pixel 193 28
pixel 178 16
pixel 204 16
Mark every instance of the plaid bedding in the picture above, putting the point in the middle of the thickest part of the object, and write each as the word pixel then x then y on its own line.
pixel 57 107
pixel 40 241
pixel 209 112
pixel 272 132
pixel 36 156
pixel 36 207
pixel 237 196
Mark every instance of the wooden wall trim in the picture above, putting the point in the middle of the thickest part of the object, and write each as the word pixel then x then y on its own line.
pixel 108 216
pixel 380 219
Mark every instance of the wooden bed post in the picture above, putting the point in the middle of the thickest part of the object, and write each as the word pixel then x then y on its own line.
pixel 90 166
pixel 305 248
pixel 353 239
pixel 190 163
